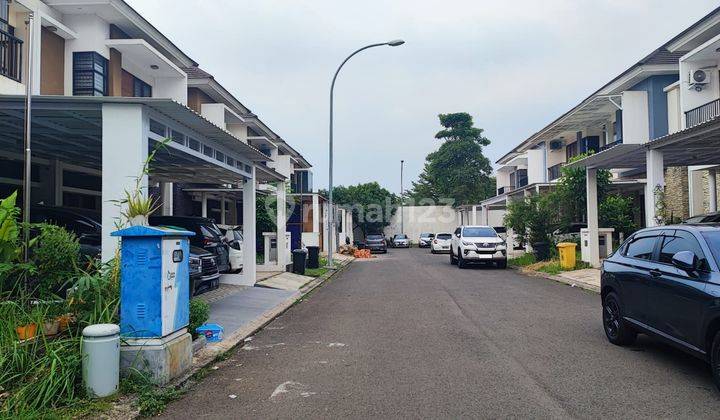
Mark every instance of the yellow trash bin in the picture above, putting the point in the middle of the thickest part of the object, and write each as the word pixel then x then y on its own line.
pixel 567 254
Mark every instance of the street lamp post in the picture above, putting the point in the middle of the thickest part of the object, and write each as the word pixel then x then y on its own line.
pixel 331 224
pixel 402 201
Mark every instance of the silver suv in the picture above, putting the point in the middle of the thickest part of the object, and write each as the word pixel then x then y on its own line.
pixel 477 244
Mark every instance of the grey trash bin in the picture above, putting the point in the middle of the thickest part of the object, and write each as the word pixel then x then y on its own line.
pixel 101 359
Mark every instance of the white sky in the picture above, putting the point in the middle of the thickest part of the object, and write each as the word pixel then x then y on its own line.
pixel 515 66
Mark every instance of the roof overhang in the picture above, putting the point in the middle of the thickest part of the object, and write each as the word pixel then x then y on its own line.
pixel 169 108
pixel 126 18
pixel 266 174
pixel 631 156
pixel 145 56
pixel 217 92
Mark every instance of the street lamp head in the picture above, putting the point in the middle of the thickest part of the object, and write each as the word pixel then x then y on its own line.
pixel 396 42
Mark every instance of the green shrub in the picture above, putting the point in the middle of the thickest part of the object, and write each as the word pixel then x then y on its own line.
pixel 55 254
pixel 199 314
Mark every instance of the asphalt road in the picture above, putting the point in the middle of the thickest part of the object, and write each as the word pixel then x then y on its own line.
pixel 409 335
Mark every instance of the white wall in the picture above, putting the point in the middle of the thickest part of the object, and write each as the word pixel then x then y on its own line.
pixel 635 121
pixel 690 98
pixel 673 105
pixel 421 219
pixel 536 166
pixel 502 178
pixel 92 33
pixel 555 157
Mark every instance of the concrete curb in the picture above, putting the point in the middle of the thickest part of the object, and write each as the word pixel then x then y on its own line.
pixel 559 279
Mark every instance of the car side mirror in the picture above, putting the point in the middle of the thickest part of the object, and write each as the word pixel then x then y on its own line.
pixel 685 260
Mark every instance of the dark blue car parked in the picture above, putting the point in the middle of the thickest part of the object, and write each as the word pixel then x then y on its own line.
pixel 665 282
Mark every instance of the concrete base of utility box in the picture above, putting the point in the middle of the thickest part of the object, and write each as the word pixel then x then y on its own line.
pixel 162 359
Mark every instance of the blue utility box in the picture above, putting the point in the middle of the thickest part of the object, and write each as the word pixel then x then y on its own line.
pixel 154 281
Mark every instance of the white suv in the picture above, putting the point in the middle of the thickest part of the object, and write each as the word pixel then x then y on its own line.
pixel 477 244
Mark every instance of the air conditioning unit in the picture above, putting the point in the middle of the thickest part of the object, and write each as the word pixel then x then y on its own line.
pixel 699 79
pixel 557 144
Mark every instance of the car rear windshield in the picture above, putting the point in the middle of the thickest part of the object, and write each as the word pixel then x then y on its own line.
pixel 444 236
pixel 713 240
pixel 210 231
pixel 375 237
pixel 479 232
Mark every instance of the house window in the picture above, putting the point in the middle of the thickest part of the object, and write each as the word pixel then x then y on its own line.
pixel 194 144
pixel 571 151
pixel 90 74
pixel 177 137
pixel 208 151
pixel 141 89
pixel 4 13
pixel 220 156
pixel 157 128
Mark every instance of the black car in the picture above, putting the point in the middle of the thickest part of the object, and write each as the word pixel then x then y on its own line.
pixel 376 243
pixel 204 273
pixel 84 224
pixel 207 235
pixel 665 282
pixel 704 218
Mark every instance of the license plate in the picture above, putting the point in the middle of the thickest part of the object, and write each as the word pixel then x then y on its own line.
pixel 485 256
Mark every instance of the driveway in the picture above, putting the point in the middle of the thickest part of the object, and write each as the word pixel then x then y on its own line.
pixel 409 335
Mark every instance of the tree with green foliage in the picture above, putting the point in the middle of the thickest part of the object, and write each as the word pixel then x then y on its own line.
pixel 571 192
pixel 616 211
pixel 458 170
pixel 372 206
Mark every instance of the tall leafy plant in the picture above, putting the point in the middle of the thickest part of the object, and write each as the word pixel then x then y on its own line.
pixel 9 229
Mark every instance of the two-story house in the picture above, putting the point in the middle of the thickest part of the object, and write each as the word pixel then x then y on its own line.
pixel 107 87
pixel 669 138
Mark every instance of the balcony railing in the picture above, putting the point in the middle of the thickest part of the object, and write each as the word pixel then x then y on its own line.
pixel 503 190
pixel 609 145
pixel 10 56
pixel 702 113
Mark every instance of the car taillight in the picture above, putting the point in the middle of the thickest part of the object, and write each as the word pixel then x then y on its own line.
pixel 208 242
pixel 435 241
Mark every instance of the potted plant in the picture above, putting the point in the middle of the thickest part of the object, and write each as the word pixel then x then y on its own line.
pixel 138 208
pixel 51 322
pixel 28 324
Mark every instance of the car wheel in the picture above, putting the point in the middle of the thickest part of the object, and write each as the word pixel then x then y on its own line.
pixel 461 261
pixel 502 264
pixel 453 261
pixel 715 359
pixel 616 328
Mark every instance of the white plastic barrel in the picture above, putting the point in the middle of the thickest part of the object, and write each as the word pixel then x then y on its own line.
pixel 101 359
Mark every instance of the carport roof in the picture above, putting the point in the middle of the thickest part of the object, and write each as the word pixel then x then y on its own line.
pixel 697 145
pixel 171 109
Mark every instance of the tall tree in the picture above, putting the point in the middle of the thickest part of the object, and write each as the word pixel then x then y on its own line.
pixel 458 170
pixel 372 206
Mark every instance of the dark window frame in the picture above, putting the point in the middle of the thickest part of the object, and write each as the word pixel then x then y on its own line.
pixel 97 70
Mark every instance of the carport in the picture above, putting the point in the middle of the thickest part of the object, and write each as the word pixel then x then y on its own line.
pixel 109 139
pixel 695 146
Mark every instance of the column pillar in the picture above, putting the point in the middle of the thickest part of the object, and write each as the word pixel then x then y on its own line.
pixel 281 223
pixel 58 182
pixel 203 204
pixel 593 238
pixel 249 271
pixel 474 215
pixel 695 191
pixel 166 197
pixel 655 178
pixel 712 189
pixel 124 133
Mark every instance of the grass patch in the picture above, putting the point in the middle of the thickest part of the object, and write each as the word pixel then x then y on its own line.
pixel 151 399
pixel 522 261
pixel 318 272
